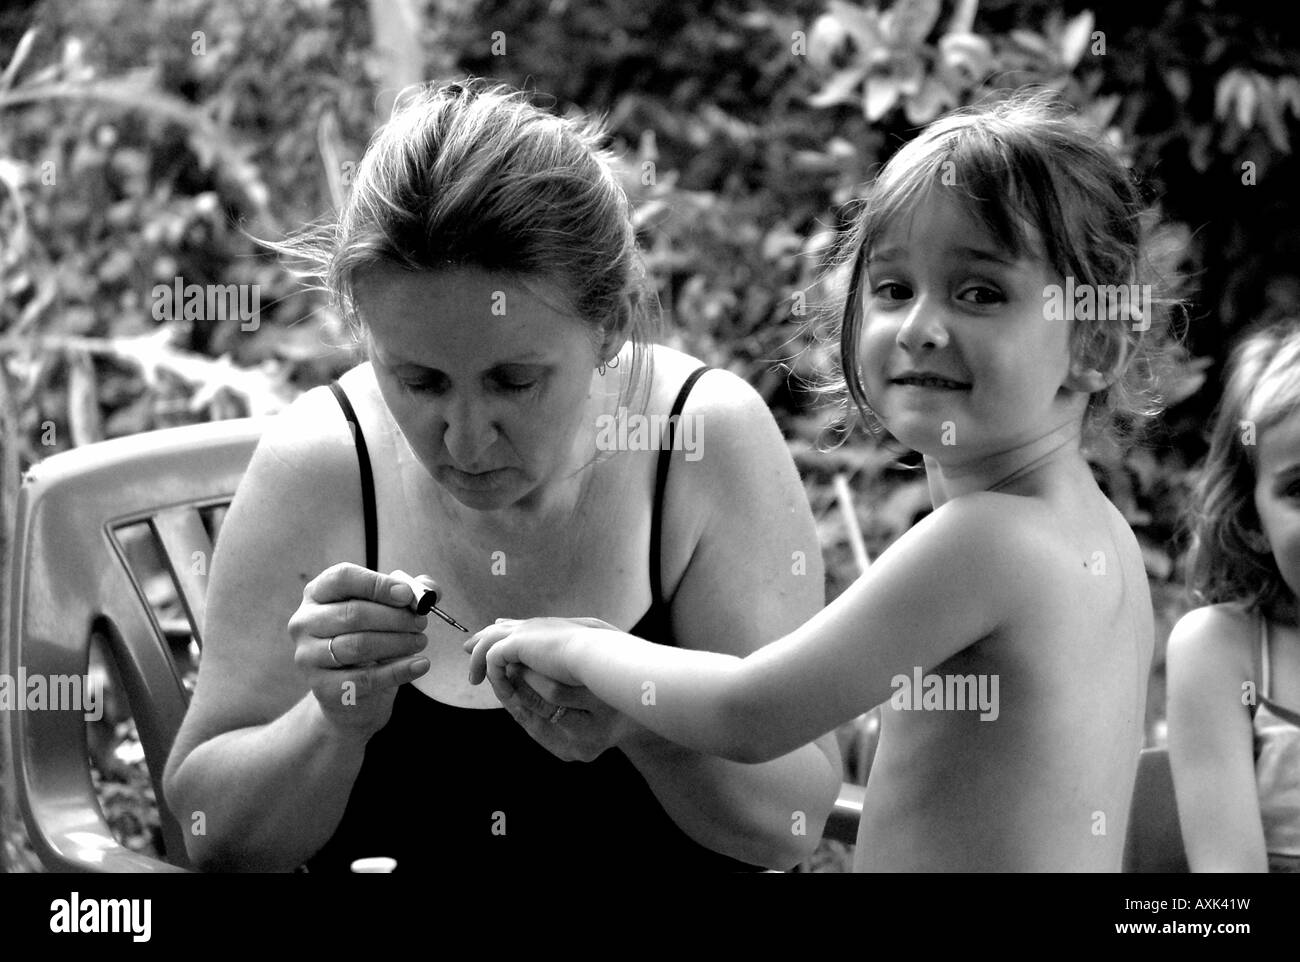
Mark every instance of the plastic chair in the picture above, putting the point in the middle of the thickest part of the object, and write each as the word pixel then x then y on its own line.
pixel 70 578
pixel 1155 840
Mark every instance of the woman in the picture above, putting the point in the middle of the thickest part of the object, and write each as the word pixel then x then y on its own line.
pixel 487 259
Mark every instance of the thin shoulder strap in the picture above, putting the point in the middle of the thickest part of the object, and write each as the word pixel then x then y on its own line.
pixel 367 479
pixel 1265 683
pixel 661 486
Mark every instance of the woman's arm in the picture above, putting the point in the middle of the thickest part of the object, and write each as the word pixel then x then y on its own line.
pixel 258 777
pixel 752 573
pixel 1211 741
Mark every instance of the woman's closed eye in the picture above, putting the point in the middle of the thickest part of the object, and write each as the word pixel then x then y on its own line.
pixel 435 384
pixel 516 385
pixel 504 382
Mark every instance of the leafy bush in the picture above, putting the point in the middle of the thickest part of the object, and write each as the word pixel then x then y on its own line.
pixel 145 141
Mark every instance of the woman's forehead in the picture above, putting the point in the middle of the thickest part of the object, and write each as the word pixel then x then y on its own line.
pixel 426 317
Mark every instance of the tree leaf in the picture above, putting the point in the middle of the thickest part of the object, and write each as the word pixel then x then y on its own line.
pixel 83 401
pixel 1246 101
pixel 826 38
pixel 933 99
pixel 1074 38
pixel 1225 93
pixel 862 24
pixel 841 88
pixel 881 94
pixel 967 54
pixel 912 21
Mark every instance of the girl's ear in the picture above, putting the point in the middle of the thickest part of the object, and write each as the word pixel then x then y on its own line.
pixel 1085 378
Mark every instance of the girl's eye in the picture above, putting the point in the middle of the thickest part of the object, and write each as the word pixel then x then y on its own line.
pixel 892 291
pixel 516 386
pixel 981 294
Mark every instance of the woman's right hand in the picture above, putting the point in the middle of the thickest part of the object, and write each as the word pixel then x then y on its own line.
pixel 355 642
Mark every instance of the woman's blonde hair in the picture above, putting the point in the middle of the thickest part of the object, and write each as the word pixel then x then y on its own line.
pixel 473 174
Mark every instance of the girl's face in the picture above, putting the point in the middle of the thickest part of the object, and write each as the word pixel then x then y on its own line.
pixel 487 381
pixel 1277 496
pixel 957 358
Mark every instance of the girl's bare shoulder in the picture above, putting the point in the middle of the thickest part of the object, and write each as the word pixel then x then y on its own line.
pixel 1222 635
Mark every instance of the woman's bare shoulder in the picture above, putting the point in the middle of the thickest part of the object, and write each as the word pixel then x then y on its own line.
pixel 311 434
pixel 304 468
pixel 719 391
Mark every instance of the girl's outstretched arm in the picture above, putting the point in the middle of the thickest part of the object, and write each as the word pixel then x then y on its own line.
pixel 972 566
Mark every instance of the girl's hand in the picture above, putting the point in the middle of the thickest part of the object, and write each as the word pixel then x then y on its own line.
pixel 355 642
pixel 536 643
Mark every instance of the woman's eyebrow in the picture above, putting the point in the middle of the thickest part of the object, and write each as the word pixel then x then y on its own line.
pixel 530 358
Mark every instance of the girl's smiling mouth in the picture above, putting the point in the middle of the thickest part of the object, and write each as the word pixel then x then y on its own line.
pixel 925 379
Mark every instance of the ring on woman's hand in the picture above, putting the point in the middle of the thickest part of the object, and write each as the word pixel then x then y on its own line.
pixel 330 646
pixel 559 713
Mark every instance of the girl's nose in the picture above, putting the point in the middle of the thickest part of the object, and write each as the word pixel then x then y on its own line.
pixel 923 329
pixel 469 432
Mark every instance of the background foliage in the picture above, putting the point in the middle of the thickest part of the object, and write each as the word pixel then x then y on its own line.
pixel 143 140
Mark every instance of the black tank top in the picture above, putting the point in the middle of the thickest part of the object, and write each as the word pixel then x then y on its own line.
pixel 466 789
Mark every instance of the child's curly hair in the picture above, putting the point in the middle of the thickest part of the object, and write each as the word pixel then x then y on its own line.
pixel 1027 163
pixel 1229 559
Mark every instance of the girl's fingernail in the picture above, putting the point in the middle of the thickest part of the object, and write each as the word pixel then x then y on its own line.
pixel 401 594
pixel 420 666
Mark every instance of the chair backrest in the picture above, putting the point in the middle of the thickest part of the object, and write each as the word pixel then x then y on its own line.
pixel 1155 840
pixel 70 576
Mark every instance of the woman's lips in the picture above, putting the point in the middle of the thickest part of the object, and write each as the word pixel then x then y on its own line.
pixel 476 480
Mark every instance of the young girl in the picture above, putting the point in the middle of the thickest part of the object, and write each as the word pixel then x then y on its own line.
pixel 1234 665
pixel 1010 632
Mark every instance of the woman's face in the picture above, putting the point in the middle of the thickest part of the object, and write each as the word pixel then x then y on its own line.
pixel 487 381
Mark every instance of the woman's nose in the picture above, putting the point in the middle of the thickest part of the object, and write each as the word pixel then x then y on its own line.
pixel 923 329
pixel 470 431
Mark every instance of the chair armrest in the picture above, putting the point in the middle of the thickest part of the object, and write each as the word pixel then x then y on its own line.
pixel 71 836
pixel 96 851
pixel 842 825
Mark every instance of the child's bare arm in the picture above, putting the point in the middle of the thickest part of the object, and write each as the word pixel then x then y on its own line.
pixel 955 578
pixel 1210 742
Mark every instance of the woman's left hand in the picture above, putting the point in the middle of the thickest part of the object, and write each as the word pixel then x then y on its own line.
pixel 565 719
